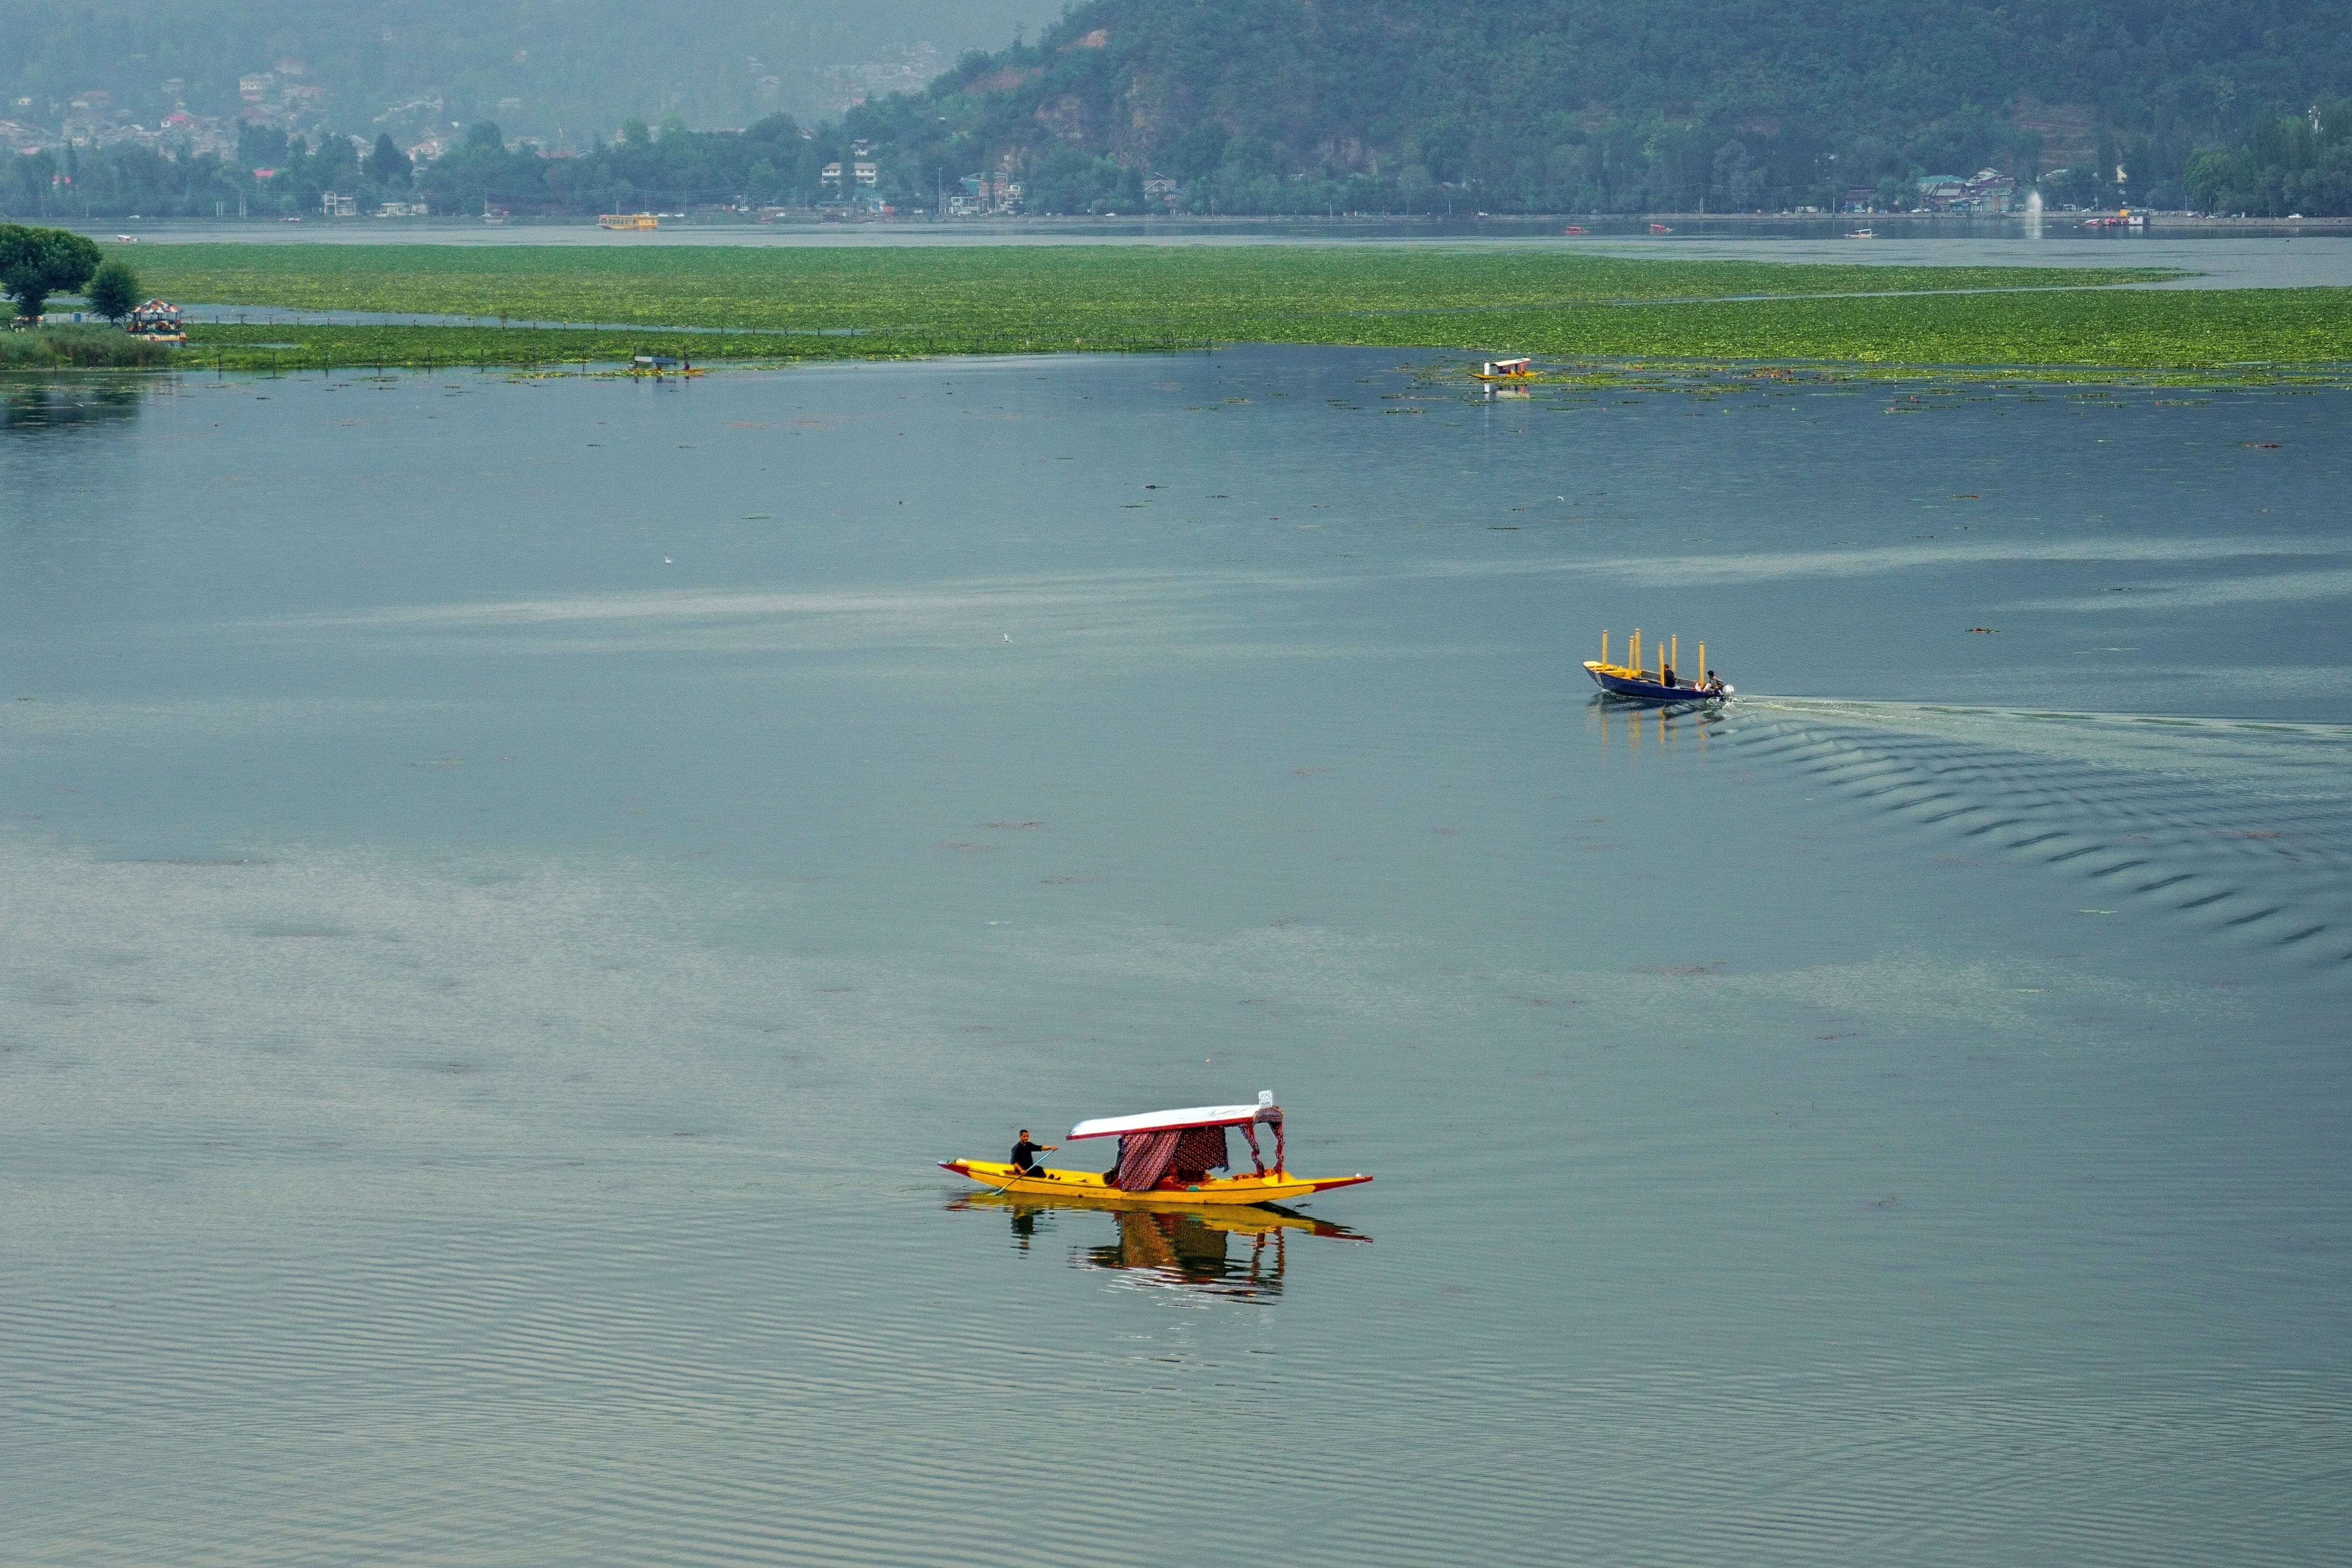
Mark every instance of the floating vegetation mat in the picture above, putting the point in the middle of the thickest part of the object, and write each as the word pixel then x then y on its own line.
pixel 786 306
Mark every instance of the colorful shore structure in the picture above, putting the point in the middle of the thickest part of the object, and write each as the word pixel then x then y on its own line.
pixel 629 222
pixel 1634 682
pixel 158 321
pixel 1166 1157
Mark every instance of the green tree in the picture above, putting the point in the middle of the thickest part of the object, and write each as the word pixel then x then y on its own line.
pixel 36 263
pixel 388 165
pixel 113 291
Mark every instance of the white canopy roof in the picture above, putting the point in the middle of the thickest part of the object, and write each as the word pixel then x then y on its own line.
pixel 1193 1116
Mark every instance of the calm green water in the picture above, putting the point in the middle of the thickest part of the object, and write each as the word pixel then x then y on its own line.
pixel 505 887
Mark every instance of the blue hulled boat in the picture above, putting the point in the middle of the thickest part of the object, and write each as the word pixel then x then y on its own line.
pixel 1632 681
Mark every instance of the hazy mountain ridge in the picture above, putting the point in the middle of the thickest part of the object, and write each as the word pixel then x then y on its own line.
pixel 538 65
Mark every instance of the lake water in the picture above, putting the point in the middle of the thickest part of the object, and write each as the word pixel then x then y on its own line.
pixel 508 885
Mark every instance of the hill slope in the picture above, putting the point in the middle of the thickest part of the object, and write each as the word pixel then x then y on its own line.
pixel 1623 104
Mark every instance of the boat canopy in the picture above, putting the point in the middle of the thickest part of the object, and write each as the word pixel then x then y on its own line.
pixel 1172 1120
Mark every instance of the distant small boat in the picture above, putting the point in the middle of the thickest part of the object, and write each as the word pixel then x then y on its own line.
pixel 1632 681
pixel 1522 369
pixel 1573 229
pixel 1660 228
pixel 1860 233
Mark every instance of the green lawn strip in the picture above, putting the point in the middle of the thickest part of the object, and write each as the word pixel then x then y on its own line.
pixel 1223 292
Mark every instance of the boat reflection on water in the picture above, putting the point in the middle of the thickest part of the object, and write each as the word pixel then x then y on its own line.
pixel 1238 1252
pixel 1662 725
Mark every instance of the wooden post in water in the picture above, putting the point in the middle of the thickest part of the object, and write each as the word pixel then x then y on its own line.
pixel 1604 646
pixel 1702 661
pixel 1633 653
pixel 1674 655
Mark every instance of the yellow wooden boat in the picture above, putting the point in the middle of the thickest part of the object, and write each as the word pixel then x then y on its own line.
pixel 1166 1157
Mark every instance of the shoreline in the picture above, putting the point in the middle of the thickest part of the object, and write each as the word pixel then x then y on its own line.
pixel 1615 225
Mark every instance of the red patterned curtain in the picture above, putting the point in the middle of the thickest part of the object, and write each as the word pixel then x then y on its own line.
pixel 1144 1158
pixel 1202 1151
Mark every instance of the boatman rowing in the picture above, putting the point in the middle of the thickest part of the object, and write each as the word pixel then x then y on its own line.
pixel 1025 1153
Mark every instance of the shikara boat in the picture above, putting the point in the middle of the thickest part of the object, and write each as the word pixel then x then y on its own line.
pixel 1167 1157
pixel 1664 684
pixel 1521 369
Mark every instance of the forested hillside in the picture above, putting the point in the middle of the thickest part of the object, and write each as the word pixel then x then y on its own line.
pixel 1625 105
pixel 1224 106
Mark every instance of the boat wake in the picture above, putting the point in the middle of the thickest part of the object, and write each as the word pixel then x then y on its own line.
pixel 2236 828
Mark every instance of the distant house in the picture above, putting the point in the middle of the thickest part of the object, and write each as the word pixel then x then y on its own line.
pixel 1941 191
pixel 1991 191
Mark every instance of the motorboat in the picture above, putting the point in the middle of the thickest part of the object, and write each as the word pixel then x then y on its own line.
pixel 1635 681
pixel 1167 1157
